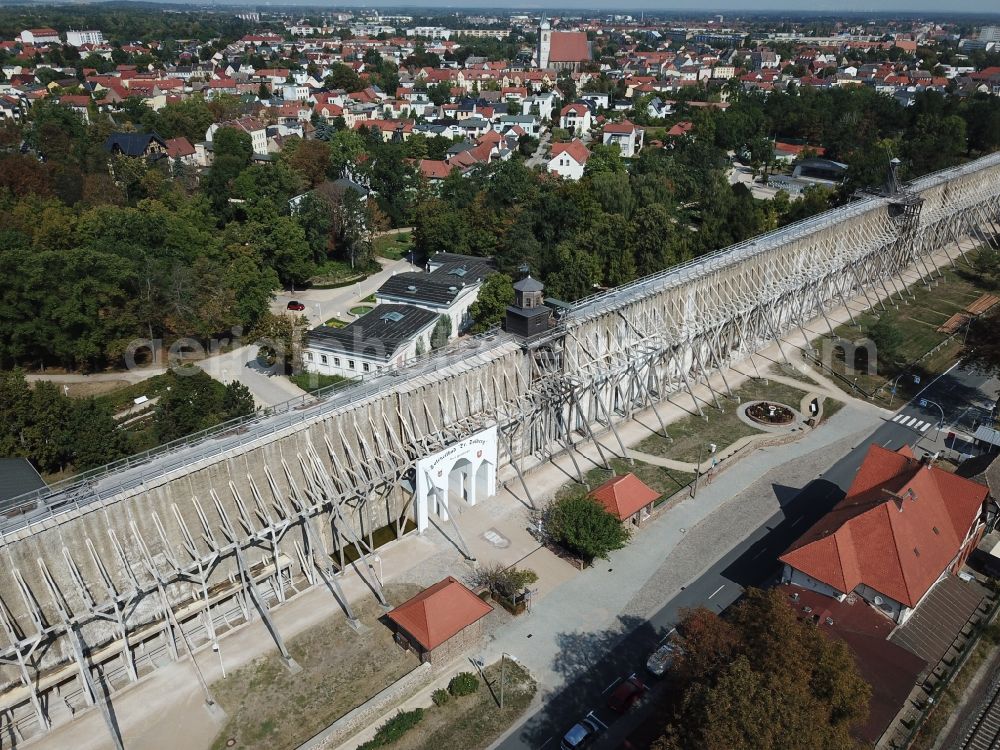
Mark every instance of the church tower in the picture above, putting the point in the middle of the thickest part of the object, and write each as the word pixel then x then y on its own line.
pixel 544 43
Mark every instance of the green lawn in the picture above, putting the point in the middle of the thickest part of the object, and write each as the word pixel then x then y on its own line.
pixel 692 435
pixel 122 398
pixel 473 722
pixel 313 381
pixel 393 246
pixel 665 481
pixel 917 320
pixel 335 323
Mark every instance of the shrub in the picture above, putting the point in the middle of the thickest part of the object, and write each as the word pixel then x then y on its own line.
pixel 440 697
pixel 464 683
pixel 582 525
pixel 393 729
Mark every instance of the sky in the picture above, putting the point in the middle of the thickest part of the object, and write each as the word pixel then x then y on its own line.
pixel 720 6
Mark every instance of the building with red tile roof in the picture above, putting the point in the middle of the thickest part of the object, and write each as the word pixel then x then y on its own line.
pixel 626 497
pixel 902 525
pixel 440 621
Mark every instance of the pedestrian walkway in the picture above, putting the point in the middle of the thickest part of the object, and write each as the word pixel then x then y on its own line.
pixel 913 423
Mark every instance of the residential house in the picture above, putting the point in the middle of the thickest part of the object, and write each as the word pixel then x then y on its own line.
pixel 568 160
pixel 903 525
pixel 256 130
pixel 148 145
pixel 625 135
pixel 575 118
pixel 40 36
pixel 182 150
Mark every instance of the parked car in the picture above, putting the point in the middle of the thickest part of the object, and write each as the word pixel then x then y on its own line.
pixel 582 734
pixel 662 659
pixel 296 305
pixel 626 695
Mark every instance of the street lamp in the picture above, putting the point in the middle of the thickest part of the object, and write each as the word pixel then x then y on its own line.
pixel 503 656
pixel 895 383
pixel 697 470
pixel 378 559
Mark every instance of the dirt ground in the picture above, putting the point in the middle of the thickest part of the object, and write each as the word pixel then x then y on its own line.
pixel 92 387
pixel 473 721
pixel 270 707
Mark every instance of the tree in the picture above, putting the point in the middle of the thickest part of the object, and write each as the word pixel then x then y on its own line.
pixel 495 294
pixel 311 160
pixel 582 525
pixel 982 346
pixel 762 679
pixel 507 582
pixel 442 332
pixel 604 159
pixel 237 400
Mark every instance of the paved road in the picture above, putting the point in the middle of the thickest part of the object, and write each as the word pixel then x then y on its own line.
pixel 752 562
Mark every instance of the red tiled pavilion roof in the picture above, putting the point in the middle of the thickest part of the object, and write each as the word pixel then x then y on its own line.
pixel 439 612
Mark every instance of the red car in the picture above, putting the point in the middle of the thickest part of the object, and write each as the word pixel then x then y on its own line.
pixel 296 305
pixel 626 695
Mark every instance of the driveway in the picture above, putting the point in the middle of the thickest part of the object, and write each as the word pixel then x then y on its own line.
pixel 324 304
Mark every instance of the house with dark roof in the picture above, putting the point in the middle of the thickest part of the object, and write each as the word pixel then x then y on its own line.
pixel 148 145
pixel 382 339
pixel 441 622
pixel 449 287
pixel 903 525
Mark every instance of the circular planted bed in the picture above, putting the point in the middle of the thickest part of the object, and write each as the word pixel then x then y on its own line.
pixel 770 414
pixel 359 310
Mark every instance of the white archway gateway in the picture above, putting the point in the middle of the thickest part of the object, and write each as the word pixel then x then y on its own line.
pixel 464 471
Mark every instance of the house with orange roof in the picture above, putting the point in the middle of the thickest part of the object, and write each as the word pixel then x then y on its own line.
pixel 575 118
pixel 568 160
pixel 903 525
pixel 627 498
pixel 625 135
pixel 441 622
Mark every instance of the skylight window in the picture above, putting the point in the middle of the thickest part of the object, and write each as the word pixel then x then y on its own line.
pixel 392 317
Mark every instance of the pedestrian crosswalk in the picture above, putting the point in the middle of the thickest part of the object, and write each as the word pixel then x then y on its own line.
pixel 913 423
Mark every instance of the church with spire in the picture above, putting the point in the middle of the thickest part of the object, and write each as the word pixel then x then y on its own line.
pixel 561 50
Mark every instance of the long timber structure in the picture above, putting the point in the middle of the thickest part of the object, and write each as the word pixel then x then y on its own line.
pixel 103 578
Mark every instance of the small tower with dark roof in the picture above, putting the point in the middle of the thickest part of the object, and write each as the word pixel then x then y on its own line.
pixel 528 315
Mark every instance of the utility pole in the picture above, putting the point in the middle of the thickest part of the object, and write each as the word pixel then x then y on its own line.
pixel 503 662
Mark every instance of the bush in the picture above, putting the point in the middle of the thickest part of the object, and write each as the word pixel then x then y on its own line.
pixel 440 697
pixel 464 683
pixel 393 729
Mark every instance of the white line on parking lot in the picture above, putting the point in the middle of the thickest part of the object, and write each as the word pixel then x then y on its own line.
pixel 717 591
pixel 672 631
pixel 617 680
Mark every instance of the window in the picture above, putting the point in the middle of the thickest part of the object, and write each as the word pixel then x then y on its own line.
pixel 322 358
pixel 366 367
pixel 350 364
pixel 336 361
pixel 309 357
pixel 393 317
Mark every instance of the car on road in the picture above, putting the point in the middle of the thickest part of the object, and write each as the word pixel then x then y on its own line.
pixel 295 305
pixel 662 659
pixel 626 695
pixel 583 733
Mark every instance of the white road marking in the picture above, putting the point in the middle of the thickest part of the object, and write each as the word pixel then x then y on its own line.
pixel 925 427
pixel 897 417
pixel 908 421
pixel 717 591
pixel 884 445
pixel 617 680
pixel 921 425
